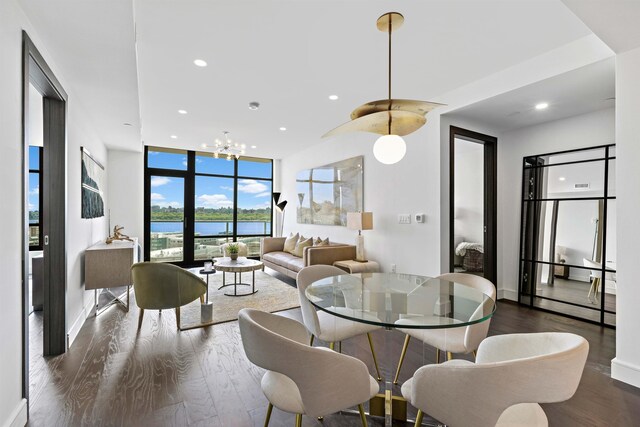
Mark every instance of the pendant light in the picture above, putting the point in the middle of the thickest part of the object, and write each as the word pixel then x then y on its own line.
pixel 391 118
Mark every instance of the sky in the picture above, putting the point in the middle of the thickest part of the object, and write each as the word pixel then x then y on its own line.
pixel 34 185
pixel 211 192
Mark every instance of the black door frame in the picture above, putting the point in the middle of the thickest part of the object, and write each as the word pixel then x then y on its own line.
pixel 490 144
pixel 53 218
pixel 189 175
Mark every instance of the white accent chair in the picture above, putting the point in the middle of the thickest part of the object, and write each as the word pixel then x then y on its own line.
pixel 242 249
pixel 326 326
pixel 300 379
pixel 464 339
pixel 511 372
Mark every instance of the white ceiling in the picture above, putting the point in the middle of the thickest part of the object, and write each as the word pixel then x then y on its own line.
pixel 92 46
pixel 579 91
pixel 288 55
pixel 614 21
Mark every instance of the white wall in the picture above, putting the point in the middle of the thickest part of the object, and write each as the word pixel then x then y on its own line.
pixel 126 192
pixel 80 233
pixel 582 131
pixel 410 186
pixel 626 365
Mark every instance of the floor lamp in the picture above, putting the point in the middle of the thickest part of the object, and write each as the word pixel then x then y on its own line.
pixel 280 205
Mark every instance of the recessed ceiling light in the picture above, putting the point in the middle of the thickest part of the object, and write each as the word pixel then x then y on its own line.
pixel 283 128
pixel 182 111
pixel 200 62
pixel 127 124
pixel 541 106
pixel 562 178
pixel 254 105
pixel 253 146
pixel 203 145
pixel 333 97
pixel 174 137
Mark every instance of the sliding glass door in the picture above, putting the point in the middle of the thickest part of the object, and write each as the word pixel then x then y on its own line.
pixel 195 202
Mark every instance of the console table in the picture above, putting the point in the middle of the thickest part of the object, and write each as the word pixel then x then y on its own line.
pixel 108 266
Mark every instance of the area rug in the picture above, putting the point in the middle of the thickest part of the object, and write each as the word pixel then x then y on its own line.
pixel 273 295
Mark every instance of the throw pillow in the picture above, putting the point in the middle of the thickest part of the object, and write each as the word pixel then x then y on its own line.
pixel 301 245
pixel 290 243
pixel 320 242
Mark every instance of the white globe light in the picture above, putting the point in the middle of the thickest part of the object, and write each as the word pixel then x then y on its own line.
pixel 389 149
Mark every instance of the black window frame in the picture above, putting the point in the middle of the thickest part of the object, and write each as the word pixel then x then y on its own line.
pixel 189 175
pixel 38 171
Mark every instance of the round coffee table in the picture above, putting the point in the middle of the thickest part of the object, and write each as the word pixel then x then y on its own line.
pixel 239 266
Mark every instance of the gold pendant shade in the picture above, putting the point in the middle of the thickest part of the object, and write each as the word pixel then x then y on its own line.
pixel 387 116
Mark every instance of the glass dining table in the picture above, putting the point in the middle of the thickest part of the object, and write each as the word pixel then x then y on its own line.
pixel 400 301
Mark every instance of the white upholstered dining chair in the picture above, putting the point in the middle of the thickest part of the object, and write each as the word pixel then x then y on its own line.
pixel 464 339
pixel 511 372
pixel 325 326
pixel 300 379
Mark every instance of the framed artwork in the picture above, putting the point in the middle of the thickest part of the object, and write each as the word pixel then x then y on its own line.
pixel 327 193
pixel 92 186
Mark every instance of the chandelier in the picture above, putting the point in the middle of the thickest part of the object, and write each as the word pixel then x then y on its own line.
pixel 226 148
pixel 392 118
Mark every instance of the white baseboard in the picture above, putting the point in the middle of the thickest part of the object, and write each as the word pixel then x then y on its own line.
pixel 18 417
pixel 77 324
pixel 625 372
pixel 507 294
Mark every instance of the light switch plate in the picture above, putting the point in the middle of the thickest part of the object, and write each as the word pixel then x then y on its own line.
pixel 404 218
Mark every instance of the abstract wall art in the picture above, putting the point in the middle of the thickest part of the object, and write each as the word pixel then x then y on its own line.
pixel 92 186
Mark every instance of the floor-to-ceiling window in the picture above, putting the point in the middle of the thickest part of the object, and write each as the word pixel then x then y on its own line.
pixel 35 197
pixel 195 202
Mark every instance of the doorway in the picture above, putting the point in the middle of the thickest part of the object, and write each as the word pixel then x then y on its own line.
pixel 44 209
pixel 473 203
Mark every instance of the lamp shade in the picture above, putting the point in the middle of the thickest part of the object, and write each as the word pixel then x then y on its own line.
pixel 276 197
pixel 281 205
pixel 360 220
pixel 389 149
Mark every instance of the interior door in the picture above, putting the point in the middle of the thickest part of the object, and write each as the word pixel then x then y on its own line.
pixel 473 203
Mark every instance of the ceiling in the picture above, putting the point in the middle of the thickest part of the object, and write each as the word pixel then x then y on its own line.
pixel 287 55
pixel 579 91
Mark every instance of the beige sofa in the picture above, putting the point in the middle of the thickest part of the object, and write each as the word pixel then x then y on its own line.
pixel 273 256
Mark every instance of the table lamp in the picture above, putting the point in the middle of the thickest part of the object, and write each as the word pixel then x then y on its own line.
pixel 360 221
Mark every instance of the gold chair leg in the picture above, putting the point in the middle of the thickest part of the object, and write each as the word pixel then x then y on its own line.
pixel 298 420
pixel 332 345
pixel 339 346
pixel 437 355
pixel 268 417
pixel 363 418
pixel 140 316
pixel 375 360
pixel 419 418
pixel 449 355
pixel 311 341
pixel 475 354
pixel 407 338
pixel 202 299
pixel 178 317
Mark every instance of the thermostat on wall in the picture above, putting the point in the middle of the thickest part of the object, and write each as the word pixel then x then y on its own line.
pixel 420 217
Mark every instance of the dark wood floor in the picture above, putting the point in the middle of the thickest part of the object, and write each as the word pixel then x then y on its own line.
pixel 114 376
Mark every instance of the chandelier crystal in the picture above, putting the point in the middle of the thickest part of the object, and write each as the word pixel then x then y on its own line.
pixel 226 148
